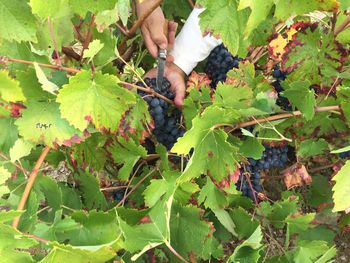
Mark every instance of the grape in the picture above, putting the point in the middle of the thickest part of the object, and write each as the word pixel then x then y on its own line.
pixel 220 61
pixel 283 102
pixel 166 119
pixel 273 157
pixel 344 155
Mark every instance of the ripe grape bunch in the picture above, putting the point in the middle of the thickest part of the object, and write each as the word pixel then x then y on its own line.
pixel 273 157
pixel 283 102
pixel 166 118
pixel 220 61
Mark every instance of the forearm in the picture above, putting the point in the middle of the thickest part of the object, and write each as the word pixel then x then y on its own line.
pixel 190 46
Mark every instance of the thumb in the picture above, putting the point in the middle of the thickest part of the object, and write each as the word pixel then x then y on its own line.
pixel 179 94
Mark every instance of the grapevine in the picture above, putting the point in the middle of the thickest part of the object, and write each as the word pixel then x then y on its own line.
pixel 98 164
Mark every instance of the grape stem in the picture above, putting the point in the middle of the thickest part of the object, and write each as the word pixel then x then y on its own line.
pixel 30 183
pixel 19 166
pixel 74 71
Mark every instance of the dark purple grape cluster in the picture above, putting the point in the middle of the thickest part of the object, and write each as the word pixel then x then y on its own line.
pixel 220 61
pixel 166 118
pixel 344 155
pixel 273 157
pixel 283 102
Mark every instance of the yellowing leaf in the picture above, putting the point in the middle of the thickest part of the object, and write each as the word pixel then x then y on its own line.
pixel 341 189
pixel 21 149
pixel 10 89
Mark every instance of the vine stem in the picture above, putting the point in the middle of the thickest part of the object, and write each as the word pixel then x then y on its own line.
pixel 136 186
pixel 175 252
pixel 30 183
pixel 36 238
pixel 342 26
pixel 191 3
pixel 137 25
pixel 283 116
pixel 74 71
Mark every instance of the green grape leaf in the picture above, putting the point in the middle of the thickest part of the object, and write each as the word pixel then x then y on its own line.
pixel 94 228
pixel 62 28
pixel 224 218
pixel 245 224
pixel 14 245
pixel 249 250
pixel 320 191
pixel 6 216
pixel 90 191
pixel 312 147
pixel 126 152
pixel 228 96
pixel 94 47
pixel 30 85
pixel 179 8
pixel 341 188
pixel 20 149
pixel 252 147
pixel 344 4
pixel 91 153
pixel 8 134
pixel 81 7
pixel 187 219
pixel 260 10
pixel 4 176
pixel 343 94
pixel 212 151
pixel 297 224
pixel 16 21
pixel 229 25
pixel 10 89
pixel 106 18
pixel 70 197
pixel 52 193
pixel 108 52
pixel 309 251
pixel 136 120
pixel 97 254
pixel 124 10
pixel 29 218
pixel 284 9
pixel 47 8
pixel 45 83
pixel 302 97
pixel 156 190
pixel 281 210
pixel 41 122
pixel 211 196
pixel 94 98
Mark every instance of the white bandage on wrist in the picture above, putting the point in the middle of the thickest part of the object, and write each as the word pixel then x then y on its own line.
pixel 190 46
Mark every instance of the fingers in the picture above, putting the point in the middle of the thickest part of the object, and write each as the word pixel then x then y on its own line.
pixel 172 27
pixel 180 90
pixel 158 36
pixel 151 74
pixel 150 45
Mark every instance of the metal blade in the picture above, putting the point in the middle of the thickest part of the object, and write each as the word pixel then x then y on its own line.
pixel 161 64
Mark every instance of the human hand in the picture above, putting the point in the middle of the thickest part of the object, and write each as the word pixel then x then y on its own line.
pixel 176 78
pixel 153 30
